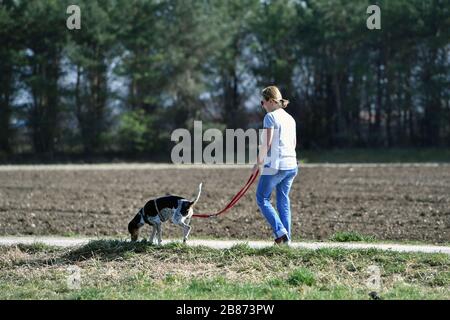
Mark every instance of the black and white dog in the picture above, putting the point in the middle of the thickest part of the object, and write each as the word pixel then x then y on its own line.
pixel 159 210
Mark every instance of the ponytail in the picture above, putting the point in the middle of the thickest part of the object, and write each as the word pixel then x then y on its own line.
pixel 284 103
pixel 274 93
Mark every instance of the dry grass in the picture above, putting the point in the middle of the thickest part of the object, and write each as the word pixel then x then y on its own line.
pixel 122 270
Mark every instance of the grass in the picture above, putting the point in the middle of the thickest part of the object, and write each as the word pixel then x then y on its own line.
pixel 35 248
pixel 351 237
pixel 112 269
pixel 301 276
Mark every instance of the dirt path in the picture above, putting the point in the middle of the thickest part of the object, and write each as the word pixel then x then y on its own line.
pixel 225 244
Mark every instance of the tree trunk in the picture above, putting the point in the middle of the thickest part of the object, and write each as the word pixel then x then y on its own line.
pixel 378 105
pixel 45 109
pixel 5 109
pixel 432 102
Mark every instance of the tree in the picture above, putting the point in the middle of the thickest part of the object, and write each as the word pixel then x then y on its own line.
pixel 90 50
pixel 9 62
pixel 230 61
pixel 44 44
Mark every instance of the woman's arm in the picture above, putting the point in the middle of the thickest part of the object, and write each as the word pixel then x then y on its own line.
pixel 264 148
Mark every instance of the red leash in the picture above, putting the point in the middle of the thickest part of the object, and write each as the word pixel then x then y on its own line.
pixel 235 199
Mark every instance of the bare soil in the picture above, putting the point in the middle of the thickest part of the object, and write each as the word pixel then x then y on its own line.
pixel 390 203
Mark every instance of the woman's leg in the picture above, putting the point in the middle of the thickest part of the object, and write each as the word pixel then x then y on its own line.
pixel 283 201
pixel 263 193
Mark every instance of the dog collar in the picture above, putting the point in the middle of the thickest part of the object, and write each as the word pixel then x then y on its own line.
pixel 143 217
pixel 156 206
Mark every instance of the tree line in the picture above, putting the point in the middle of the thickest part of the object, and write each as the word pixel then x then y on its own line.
pixel 138 69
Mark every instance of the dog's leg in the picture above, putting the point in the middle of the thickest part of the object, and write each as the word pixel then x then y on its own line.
pixel 186 229
pixel 158 229
pixel 152 235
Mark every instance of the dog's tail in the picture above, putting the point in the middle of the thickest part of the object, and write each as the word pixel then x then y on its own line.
pixel 198 195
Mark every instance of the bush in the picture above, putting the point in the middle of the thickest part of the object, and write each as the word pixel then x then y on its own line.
pixel 136 133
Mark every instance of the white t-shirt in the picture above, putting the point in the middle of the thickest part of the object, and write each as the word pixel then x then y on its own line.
pixel 283 141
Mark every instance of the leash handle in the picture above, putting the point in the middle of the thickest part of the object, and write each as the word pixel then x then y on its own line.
pixel 234 200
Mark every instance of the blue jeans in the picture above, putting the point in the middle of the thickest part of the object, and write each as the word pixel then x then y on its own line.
pixel 282 181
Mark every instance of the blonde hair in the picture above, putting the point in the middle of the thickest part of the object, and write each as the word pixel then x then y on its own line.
pixel 274 93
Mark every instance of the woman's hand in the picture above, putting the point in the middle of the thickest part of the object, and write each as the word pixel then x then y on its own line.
pixel 256 167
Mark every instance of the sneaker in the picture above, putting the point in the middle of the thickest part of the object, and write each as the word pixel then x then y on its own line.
pixel 282 240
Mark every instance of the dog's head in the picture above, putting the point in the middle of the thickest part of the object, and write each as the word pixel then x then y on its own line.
pixel 135 225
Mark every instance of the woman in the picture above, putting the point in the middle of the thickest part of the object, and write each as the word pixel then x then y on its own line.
pixel 277 154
